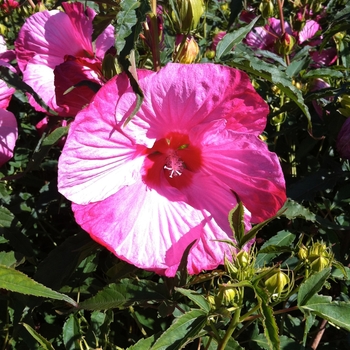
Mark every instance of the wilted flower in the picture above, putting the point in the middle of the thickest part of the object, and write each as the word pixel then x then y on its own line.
pixel 343 141
pixel 55 51
pixel 171 175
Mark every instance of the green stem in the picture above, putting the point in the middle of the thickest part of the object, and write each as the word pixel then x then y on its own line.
pixel 232 326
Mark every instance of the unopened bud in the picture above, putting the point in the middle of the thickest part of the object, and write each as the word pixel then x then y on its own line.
pixel 277 283
pixel 188 14
pixel 345 105
pixel 242 258
pixel 302 254
pixel 319 264
pixel 185 52
pixel 286 44
pixel 266 8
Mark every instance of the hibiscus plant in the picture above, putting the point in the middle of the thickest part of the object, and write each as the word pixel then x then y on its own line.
pixel 174 174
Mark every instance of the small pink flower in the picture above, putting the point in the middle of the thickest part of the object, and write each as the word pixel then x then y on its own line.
pixel 9 5
pixel 343 141
pixel 49 39
pixel 8 135
pixel 147 189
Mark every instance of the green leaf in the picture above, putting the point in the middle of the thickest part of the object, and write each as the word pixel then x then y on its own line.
pixel 323 73
pixel 6 217
pixel 283 238
pixel 48 142
pixel 236 219
pixel 292 210
pixel 198 299
pixel 126 19
pixel 335 312
pixel 144 344
pixel 45 344
pixel 273 74
pixel 71 333
pixel 8 259
pixel 182 331
pixel 16 281
pixel 309 322
pixel 312 286
pixel 123 294
pixel 268 319
pixel 231 39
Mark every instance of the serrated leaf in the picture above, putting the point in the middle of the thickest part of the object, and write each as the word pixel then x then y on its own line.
pixel 275 75
pixel 293 210
pixel 323 73
pixel 6 217
pixel 309 322
pixel 16 281
pixel 71 333
pixel 283 238
pixel 144 344
pixel 236 220
pixel 312 286
pixel 268 319
pixel 7 259
pixel 198 299
pixel 335 312
pixel 231 39
pixel 45 344
pixel 184 329
pixel 123 294
pixel 126 19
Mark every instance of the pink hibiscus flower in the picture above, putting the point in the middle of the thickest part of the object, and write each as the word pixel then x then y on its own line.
pixel 54 49
pixel 147 189
pixel 8 135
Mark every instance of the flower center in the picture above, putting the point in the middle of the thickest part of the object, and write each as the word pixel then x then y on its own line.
pixel 174 158
pixel 174 164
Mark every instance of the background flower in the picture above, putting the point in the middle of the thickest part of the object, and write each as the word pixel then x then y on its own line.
pixel 171 176
pixel 47 41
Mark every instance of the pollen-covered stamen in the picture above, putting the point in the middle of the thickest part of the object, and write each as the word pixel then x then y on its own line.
pixel 174 164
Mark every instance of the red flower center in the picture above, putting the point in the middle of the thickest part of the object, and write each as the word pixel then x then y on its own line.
pixel 174 158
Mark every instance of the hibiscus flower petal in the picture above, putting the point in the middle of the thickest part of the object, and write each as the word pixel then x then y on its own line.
pixel 181 96
pixel 142 227
pixel 8 135
pixel 245 165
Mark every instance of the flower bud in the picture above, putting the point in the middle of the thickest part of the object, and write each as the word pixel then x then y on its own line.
pixel 285 44
pixel 319 264
pixel 345 105
pixel 242 258
pixel 266 8
pixel 185 52
pixel 277 283
pixel 188 14
pixel 302 254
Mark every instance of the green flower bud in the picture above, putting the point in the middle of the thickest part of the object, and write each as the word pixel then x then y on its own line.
pixel 186 52
pixel 277 283
pixel 285 44
pixel 319 264
pixel 302 254
pixel 345 105
pixel 242 258
pixel 187 14
pixel 266 8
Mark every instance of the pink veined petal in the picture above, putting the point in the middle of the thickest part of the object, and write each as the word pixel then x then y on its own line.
pixel 41 78
pixel 81 20
pixel 8 135
pixel 180 96
pixel 325 58
pixel 142 227
pixel 95 167
pixel 49 35
pixel 104 42
pixel 245 165
pixel 310 29
pixel 6 92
